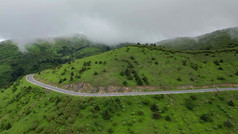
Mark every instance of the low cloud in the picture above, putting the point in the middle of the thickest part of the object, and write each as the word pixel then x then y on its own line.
pixel 112 22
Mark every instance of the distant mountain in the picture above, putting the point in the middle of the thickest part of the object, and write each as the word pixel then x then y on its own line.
pixel 227 38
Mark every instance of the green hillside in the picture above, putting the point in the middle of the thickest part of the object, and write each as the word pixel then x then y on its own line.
pixel 43 55
pixel 144 67
pixel 227 38
pixel 25 108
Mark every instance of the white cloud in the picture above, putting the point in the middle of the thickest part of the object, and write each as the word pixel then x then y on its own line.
pixel 115 21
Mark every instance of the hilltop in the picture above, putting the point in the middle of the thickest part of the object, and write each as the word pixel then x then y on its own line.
pixel 226 38
pixel 44 54
pixel 143 68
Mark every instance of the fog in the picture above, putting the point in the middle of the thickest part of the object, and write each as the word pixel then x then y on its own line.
pixel 112 22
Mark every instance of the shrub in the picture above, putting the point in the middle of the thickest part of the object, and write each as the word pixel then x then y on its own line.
pixel 154 108
pixel 220 68
pixel 236 73
pixel 60 81
pixel 132 58
pixel 156 115
pixel 106 115
pixel 95 73
pixel 194 66
pixel 140 112
pixel 72 73
pixel 63 73
pixel 156 63
pixel 139 82
pixel 220 78
pixel 185 63
pixel 125 83
pixel 71 78
pixel 216 62
pixel 110 131
pixel 34 125
pixel 189 104
pixel 193 97
pixel 179 79
pixel 127 72
pixel 231 103
pixel 168 118
pixel 64 79
pixel 228 123
pixel 40 129
pixel 206 117
pixel 145 79
pixel 122 73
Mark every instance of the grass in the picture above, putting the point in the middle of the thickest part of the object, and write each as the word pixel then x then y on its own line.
pixel 163 69
pixel 26 108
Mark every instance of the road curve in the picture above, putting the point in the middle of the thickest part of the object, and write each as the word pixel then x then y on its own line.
pixel 30 79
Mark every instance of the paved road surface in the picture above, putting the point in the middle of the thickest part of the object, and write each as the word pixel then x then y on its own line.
pixel 30 79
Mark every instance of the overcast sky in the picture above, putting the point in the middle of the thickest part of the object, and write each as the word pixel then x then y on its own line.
pixel 113 21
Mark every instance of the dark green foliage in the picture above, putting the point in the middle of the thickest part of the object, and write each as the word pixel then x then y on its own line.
pixel 193 97
pixel 236 73
pixel 168 118
pixel 231 103
pixel 127 72
pixel 60 81
pixel 95 73
pixel 122 73
pixel 185 63
pixel 139 82
pixel 125 83
pixel 206 117
pixel 189 104
pixel 194 66
pixel 132 58
pixel 156 115
pixel 154 108
pixel 110 131
pixel 5 125
pixel 106 115
pixel 156 63
pixel 216 62
pixel 145 79
pixel 179 79
pixel 220 68
pixel 72 73
pixel 71 78
pixel 220 78
pixel 228 123
pixel 34 125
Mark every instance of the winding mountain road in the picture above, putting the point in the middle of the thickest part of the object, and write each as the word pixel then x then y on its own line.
pixel 30 78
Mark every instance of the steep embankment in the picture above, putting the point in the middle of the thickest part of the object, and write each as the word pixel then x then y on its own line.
pixel 139 68
pixel 25 108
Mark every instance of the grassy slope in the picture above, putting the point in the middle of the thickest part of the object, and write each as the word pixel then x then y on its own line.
pixel 197 69
pixel 42 55
pixel 25 108
pixel 211 41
